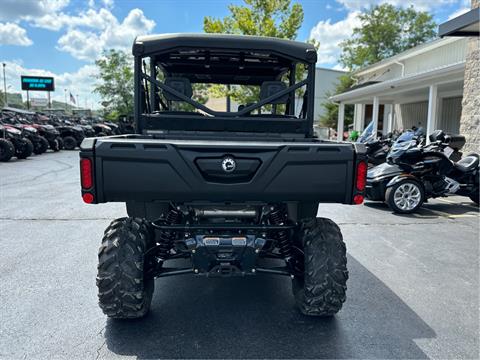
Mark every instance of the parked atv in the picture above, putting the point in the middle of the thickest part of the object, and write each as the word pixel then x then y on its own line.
pixel 71 136
pixel 48 131
pixel 102 129
pixel 7 150
pixel 23 147
pixel 88 130
pixel 40 144
pixel 115 129
pixel 231 193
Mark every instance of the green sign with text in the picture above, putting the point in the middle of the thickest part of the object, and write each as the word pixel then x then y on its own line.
pixel 38 83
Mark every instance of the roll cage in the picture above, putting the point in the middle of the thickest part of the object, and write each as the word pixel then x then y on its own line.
pixel 185 59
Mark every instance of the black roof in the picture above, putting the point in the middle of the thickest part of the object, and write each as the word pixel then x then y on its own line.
pixel 154 44
pixel 467 24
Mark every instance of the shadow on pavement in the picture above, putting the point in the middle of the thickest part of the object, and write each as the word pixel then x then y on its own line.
pixel 433 209
pixel 255 317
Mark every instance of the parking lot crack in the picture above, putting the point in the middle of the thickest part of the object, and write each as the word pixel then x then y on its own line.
pixel 100 349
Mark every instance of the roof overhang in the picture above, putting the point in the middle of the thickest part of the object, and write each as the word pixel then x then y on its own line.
pixel 407 54
pixel 467 24
pixel 389 88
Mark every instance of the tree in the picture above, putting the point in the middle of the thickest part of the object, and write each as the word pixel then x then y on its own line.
pixel 116 83
pixel 275 18
pixel 330 116
pixel 384 32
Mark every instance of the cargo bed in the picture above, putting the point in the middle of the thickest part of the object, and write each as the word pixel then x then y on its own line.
pixel 145 169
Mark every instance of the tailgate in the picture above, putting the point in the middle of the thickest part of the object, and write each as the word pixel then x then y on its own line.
pixel 180 170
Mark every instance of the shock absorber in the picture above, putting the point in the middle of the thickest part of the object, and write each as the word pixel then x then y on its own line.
pixel 166 238
pixel 276 217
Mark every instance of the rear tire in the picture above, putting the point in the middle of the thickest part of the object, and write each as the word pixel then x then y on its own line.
pixel 415 196
pixel 25 150
pixel 6 150
pixel 123 290
pixel 69 143
pixel 322 289
pixel 54 145
pixel 41 146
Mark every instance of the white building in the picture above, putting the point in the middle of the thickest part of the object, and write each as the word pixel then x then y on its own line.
pixel 326 81
pixel 422 86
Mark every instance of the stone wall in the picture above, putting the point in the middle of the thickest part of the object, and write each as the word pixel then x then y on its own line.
pixel 470 121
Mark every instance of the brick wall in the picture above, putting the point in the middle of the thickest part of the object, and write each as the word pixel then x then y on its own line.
pixel 470 121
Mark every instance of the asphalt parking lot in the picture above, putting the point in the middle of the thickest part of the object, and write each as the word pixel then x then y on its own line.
pixel 413 287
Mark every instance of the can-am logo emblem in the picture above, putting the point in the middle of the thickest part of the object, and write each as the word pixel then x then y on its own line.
pixel 228 164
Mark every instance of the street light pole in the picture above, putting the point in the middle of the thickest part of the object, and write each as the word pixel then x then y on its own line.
pixel 5 84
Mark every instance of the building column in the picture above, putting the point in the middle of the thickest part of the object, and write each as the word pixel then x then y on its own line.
pixel 355 116
pixel 432 110
pixel 341 118
pixel 362 118
pixel 376 106
pixel 359 117
pixel 387 119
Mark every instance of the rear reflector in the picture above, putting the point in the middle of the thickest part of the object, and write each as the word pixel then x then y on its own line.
pixel 358 199
pixel 88 198
pixel 361 175
pixel 86 174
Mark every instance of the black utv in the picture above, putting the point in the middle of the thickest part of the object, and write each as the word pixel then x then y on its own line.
pixel 229 192
pixel 72 135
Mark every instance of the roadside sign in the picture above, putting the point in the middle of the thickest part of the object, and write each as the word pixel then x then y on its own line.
pixel 15 99
pixel 37 83
pixel 40 102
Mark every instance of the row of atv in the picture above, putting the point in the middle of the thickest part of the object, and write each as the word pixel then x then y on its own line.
pixel 24 134
pixel 23 140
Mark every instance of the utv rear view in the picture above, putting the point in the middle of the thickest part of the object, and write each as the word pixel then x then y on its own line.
pixel 222 192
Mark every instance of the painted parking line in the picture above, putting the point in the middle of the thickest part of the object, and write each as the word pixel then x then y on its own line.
pixel 457 203
pixel 464 216
pixel 445 214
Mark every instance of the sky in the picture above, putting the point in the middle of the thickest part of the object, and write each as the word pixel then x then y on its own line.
pixel 62 38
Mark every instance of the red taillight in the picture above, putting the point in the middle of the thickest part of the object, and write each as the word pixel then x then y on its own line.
pixel 361 176
pixel 358 199
pixel 86 174
pixel 88 198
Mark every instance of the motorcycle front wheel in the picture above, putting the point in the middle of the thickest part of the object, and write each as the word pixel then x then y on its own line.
pixel 405 197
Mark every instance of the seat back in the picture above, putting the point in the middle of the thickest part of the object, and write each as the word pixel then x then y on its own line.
pixel 270 88
pixel 182 85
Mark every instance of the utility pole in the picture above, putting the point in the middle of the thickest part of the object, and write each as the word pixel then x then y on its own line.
pixel 5 84
pixel 65 91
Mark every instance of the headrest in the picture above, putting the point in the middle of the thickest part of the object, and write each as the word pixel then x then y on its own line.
pixel 437 135
pixel 270 88
pixel 182 85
